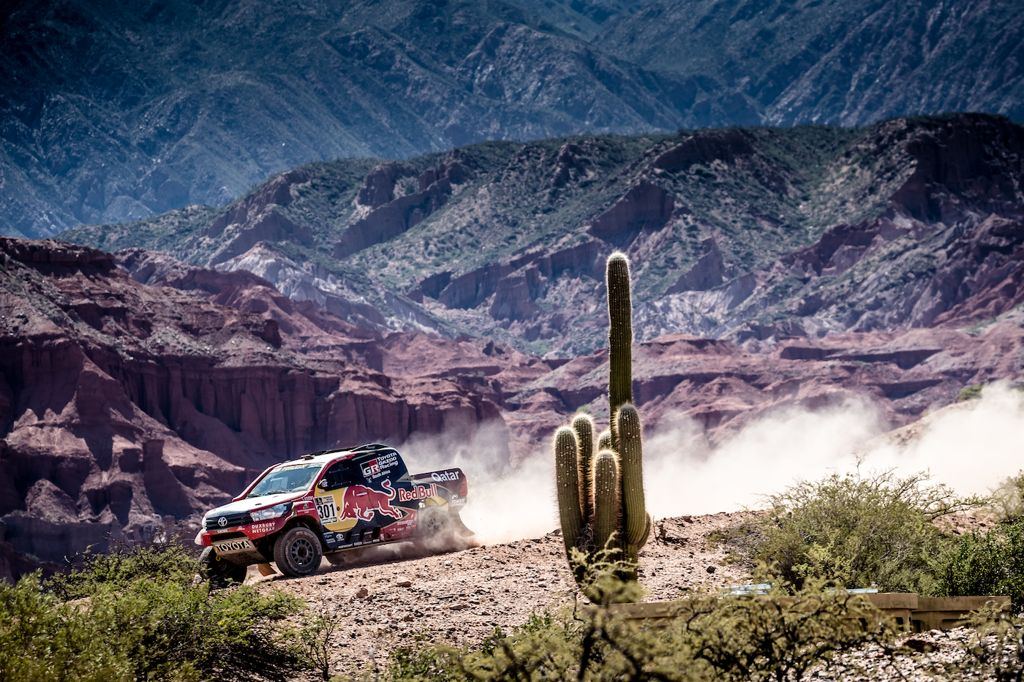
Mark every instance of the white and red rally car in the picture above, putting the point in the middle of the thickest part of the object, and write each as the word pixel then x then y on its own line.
pixel 325 503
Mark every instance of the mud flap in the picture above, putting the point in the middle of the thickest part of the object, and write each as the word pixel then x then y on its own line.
pixel 266 569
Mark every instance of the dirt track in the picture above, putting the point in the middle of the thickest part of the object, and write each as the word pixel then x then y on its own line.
pixel 389 595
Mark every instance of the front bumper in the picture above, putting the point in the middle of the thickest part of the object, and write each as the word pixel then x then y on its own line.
pixel 250 531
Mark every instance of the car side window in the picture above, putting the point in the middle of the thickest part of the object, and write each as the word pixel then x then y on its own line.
pixel 340 475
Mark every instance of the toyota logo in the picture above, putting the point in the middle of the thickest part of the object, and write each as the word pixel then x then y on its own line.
pixel 222 521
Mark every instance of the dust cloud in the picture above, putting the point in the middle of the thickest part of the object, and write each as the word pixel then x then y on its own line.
pixel 971 447
pixel 505 502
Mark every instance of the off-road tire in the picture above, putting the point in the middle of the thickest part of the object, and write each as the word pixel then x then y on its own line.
pixel 434 523
pixel 220 572
pixel 297 553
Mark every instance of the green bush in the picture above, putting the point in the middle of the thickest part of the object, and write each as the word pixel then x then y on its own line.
pixel 124 617
pixel 859 532
pixel 121 567
pixel 987 563
pixel 1008 499
pixel 972 392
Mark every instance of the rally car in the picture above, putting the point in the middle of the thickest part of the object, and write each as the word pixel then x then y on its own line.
pixel 325 503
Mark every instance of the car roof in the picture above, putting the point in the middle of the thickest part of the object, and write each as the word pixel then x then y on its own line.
pixel 323 457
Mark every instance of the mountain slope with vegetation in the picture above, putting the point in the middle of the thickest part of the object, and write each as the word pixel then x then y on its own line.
pixel 118 112
pixel 739 233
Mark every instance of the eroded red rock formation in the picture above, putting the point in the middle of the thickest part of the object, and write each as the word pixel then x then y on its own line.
pixel 123 403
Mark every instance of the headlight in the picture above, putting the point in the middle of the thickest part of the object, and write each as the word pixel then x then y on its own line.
pixel 271 512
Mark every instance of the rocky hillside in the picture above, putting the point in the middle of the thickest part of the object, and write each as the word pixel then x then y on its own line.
pixel 124 404
pixel 746 234
pixel 836 62
pixel 137 391
pixel 115 111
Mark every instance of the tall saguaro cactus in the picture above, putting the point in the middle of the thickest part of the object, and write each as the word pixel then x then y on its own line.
pixel 601 495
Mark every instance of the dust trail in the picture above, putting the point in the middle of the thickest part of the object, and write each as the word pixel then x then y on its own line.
pixel 505 502
pixel 971 447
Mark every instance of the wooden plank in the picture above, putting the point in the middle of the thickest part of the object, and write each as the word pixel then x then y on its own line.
pixel 909 610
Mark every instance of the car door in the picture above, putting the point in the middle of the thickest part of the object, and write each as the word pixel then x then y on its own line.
pixel 357 498
pixel 329 498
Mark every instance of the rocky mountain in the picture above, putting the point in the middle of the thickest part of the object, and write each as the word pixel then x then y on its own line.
pixel 118 111
pixel 813 61
pixel 746 234
pixel 137 391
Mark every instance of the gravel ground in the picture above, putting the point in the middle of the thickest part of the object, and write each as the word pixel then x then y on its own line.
pixel 386 596
pixel 391 596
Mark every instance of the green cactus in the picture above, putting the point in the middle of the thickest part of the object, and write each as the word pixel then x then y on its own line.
pixel 636 522
pixel 601 497
pixel 583 426
pixel 567 480
pixel 620 339
pixel 606 496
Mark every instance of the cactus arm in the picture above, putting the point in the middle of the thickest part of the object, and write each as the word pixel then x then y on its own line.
pixel 604 441
pixel 620 338
pixel 647 532
pixel 567 483
pixel 606 498
pixel 584 428
pixel 634 517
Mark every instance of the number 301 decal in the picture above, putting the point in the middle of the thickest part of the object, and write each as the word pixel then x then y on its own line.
pixel 326 509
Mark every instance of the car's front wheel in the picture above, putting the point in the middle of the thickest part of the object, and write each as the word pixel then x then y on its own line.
pixel 220 572
pixel 298 552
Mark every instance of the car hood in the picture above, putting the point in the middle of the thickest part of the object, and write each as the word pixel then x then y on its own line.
pixel 250 503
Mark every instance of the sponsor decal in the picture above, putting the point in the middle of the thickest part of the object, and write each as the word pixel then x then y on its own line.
pixel 363 503
pixel 326 508
pixel 265 527
pixel 417 492
pixel 379 466
pixel 445 476
pixel 233 546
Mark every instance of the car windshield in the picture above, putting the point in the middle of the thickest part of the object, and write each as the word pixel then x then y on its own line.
pixel 287 480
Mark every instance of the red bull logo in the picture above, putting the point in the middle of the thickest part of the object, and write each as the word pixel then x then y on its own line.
pixel 417 492
pixel 363 503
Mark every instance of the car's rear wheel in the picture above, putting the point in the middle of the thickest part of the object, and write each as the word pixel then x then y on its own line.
pixel 298 552
pixel 434 522
pixel 441 529
pixel 218 571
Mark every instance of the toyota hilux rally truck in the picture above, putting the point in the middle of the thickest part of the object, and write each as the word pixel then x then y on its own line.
pixel 324 504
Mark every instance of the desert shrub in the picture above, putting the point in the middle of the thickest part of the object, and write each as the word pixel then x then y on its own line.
pixel 779 636
pixel 316 639
pixel 859 532
pixel 1008 499
pixel 972 392
pixel 987 563
pixel 122 566
pixel 43 637
pixel 114 620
